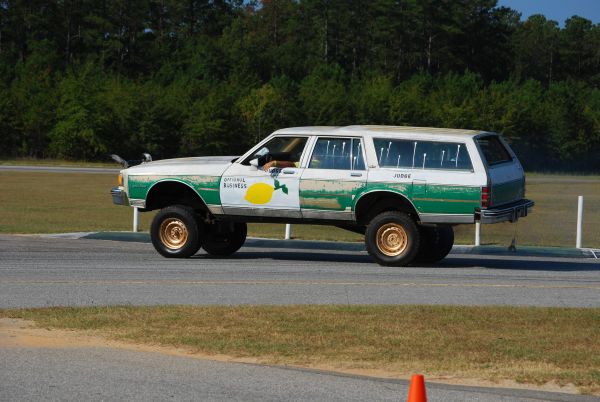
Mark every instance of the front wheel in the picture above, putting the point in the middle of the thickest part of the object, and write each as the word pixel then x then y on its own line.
pixel 392 239
pixel 174 232
pixel 224 238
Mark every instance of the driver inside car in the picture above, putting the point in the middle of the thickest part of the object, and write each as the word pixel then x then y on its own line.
pixel 279 164
pixel 278 160
pixel 280 153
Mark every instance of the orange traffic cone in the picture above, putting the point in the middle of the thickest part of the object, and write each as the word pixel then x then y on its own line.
pixel 416 392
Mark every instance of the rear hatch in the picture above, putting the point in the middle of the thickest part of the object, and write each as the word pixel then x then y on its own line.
pixel 506 179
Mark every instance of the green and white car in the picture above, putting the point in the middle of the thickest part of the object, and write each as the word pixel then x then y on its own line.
pixel 403 187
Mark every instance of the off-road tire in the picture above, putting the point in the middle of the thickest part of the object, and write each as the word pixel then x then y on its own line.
pixel 224 238
pixel 175 233
pixel 436 243
pixel 392 239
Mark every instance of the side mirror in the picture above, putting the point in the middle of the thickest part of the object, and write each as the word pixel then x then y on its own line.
pixel 254 162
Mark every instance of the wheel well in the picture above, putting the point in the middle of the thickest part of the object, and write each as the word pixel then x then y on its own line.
pixel 375 203
pixel 168 193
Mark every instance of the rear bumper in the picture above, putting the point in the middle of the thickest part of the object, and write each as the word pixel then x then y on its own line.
pixel 119 196
pixel 505 213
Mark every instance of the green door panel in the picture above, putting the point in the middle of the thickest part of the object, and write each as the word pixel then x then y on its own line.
pixel 336 195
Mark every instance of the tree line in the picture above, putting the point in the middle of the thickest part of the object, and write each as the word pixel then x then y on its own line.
pixel 83 78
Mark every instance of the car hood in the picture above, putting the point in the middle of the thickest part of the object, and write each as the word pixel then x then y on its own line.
pixel 202 165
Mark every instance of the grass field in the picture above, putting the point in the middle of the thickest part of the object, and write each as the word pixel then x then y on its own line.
pixel 36 202
pixel 57 162
pixel 531 345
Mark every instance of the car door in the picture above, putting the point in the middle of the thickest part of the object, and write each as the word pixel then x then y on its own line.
pixel 251 188
pixel 334 175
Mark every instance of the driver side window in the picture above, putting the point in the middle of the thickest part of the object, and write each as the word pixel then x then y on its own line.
pixel 284 149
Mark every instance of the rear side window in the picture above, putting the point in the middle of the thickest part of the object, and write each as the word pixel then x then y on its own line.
pixel 493 150
pixel 422 154
pixel 337 153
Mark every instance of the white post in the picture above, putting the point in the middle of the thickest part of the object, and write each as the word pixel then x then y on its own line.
pixel 477 233
pixel 136 218
pixel 579 220
pixel 288 231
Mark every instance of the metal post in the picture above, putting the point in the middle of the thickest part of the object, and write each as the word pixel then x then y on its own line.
pixel 136 218
pixel 477 233
pixel 579 220
pixel 288 231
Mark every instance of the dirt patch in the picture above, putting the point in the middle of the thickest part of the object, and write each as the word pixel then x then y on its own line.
pixel 17 333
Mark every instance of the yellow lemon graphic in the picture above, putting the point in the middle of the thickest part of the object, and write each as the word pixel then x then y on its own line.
pixel 259 193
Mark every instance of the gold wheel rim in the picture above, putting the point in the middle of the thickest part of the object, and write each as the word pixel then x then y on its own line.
pixel 392 239
pixel 173 233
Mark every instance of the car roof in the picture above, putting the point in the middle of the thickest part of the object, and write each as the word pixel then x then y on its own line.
pixel 335 131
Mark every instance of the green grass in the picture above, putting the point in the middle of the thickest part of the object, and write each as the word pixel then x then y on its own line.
pixel 37 202
pixel 591 176
pixel 57 162
pixel 526 344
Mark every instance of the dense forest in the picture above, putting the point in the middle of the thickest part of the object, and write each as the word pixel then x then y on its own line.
pixel 83 78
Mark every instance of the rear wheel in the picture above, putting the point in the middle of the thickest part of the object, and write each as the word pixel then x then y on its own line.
pixel 436 243
pixel 224 238
pixel 392 238
pixel 174 232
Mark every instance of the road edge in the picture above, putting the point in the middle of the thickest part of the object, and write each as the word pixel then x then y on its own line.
pixel 259 242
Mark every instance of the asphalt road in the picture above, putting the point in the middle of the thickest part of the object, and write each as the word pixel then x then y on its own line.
pixel 38 271
pixel 100 374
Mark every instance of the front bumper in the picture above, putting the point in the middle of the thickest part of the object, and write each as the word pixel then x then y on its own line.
pixel 119 196
pixel 505 213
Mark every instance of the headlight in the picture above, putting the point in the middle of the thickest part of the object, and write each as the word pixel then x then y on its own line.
pixel 120 180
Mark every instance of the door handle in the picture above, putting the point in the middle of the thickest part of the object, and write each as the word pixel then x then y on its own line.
pixel 288 171
pixel 356 174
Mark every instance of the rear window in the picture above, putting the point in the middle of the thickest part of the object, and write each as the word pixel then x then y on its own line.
pixel 493 150
pixel 422 154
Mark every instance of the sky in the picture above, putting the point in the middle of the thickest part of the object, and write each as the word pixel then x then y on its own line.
pixel 558 10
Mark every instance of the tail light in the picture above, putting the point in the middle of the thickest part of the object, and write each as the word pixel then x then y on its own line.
pixel 485 197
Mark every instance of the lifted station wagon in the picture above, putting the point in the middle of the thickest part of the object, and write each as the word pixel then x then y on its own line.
pixel 404 188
